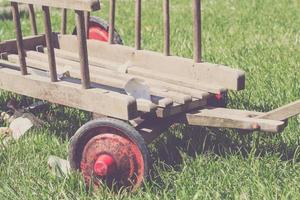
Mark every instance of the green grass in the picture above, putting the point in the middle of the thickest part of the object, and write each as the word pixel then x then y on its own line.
pixel 261 37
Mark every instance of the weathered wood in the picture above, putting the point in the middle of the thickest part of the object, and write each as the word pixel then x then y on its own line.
pixel 64 13
pixel 32 19
pixel 180 108
pixel 138 23
pixel 87 23
pixel 197 30
pixel 20 46
pixel 168 90
pixel 29 43
pixel 112 21
pixel 83 5
pixel 151 129
pixel 213 74
pixel 237 120
pixel 175 80
pixel 145 105
pixel 69 94
pixel 49 42
pixel 83 54
pixel 162 102
pixel 38 61
pixel 282 113
pixel 166 10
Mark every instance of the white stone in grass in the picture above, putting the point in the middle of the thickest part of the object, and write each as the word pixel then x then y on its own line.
pixel 20 126
pixel 58 166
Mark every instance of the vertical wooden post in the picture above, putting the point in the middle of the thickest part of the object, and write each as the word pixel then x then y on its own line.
pixel 83 55
pixel 166 10
pixel 112 21
pixel 87 23
pixel 64 21
pixel 19 37
pixel 32 19
pixel 197 30
pixel 49 42
pixel 138 22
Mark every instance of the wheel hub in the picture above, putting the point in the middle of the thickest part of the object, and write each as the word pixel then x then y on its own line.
pixel 114 159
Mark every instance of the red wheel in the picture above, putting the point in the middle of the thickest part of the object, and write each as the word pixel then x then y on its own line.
pixel 98 30
pixel 110 151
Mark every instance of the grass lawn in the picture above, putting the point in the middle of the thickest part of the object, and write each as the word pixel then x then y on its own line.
pixel 261 37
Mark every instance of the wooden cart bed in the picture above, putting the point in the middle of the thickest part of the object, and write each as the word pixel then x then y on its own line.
pixel 173 90
pixel 75 71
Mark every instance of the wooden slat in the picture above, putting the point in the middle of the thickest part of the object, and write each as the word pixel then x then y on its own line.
pixel 112 21
pixel 69 94
pixel 180 108
pixel 64 13
pixel 20 46
pixel 165 108
pixel 38 61
pixel 197 30
pixel 82 46
pixel 166 10
pixel 29 43
pixel 83 5
pixel 175 80
pixel 213 74
pixel 282 113
pixel 32 19
pixel 138 22
pixel 49 42
pixel 170 90
pixel 211 118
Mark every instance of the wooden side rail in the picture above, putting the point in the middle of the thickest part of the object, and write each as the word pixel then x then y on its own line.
pixel 82 9
pixel 83 5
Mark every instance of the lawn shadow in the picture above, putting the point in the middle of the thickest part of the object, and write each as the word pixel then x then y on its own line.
pixel 194 140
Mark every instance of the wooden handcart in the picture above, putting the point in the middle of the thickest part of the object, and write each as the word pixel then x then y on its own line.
pixel 88 74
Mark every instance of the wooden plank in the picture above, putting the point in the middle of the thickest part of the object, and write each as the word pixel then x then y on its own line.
pixel 145 105
pixel 19 40
pixel 83 5
pixel 39 63
pixel 210 118
pixel 177 93
pixel 213 74
pixel 83 54
pixel 29 43
pixel 180 108
pixel 175 80
pixel 49 42
pixel 282 113
pixel 69 94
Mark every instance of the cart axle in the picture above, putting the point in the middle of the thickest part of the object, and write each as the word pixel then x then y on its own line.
pixel 104 165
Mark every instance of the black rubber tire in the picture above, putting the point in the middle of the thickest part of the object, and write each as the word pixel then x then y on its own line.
pixel 89 130
pixel 104 25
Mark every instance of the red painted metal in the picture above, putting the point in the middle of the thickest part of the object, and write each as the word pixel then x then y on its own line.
pixel 112 158
pixel 104 165
pixel 98 33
